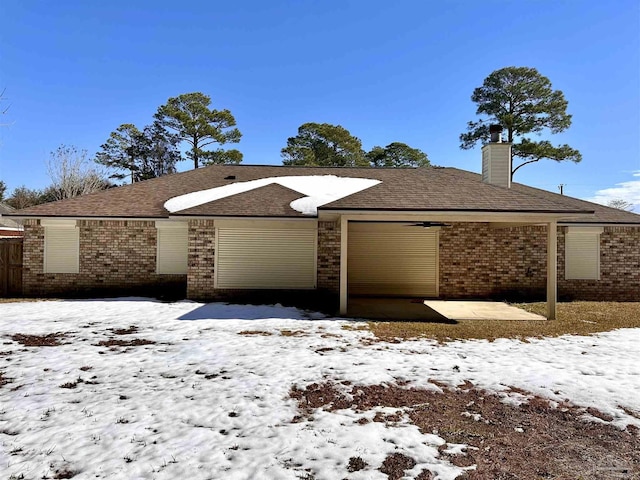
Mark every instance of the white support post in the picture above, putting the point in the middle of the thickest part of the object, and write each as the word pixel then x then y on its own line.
pixel 552 269
pixel 344 232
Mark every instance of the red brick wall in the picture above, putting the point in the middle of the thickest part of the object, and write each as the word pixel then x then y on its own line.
pixel 33 278
pixel 478 261
pixel 202 242
pixel 115 257
pixel 202 262
pixel 475 261
pixel 329 256
pixel 619 268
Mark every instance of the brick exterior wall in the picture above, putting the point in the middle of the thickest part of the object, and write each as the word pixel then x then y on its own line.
pixel 475 261
pixel 200 277
pixel 619 268
pixel 201 266
pixel 33 259
pixel 329 257
pixel 478 261
pixel 116 257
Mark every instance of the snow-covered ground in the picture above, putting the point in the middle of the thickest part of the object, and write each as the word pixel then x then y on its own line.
pixel 207 401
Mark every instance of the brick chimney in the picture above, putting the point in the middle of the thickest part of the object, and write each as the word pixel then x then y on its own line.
pixel 496 159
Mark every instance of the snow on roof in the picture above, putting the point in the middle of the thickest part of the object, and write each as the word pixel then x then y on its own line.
pixel 319 190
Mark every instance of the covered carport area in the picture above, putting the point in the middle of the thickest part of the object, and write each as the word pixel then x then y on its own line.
pixel 352 224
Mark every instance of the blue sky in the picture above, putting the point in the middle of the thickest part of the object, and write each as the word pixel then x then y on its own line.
pixel 386 71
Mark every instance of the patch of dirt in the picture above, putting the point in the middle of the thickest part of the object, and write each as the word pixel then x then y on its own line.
pixel 395 465
pixel 209 376
pixel 388 418
pixel 112 342
pixel 255 332
pixel 69 385
pixel 25 300
pixel 324 349
pixel 124 331
pixel 532 441
pixel 630 412
pixel 293 333
pixel 356 464
pixel 77 381
pixel 3 380
pixel 49 340
pixel 63 472
pixel 598 414
pixel 427 475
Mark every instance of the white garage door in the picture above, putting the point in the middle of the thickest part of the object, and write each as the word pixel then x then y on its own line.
pixel 269 256
pixel 392 259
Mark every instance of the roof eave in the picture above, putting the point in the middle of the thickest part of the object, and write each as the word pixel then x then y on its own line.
pixel 89 217
pixel 243 217
pixel 454 215
pixel 578 223
pixel 457 210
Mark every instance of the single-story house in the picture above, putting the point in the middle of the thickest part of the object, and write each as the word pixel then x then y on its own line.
pixel 8 228
pixel 414 232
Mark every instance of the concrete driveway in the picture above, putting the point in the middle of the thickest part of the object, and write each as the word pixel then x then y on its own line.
pixel 436 311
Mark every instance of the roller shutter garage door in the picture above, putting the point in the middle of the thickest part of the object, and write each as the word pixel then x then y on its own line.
pixel 266 257
pixel 392 259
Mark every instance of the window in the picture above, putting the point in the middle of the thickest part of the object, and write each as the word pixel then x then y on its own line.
pixel 61 246
pixel 265 254
pixel 172 247
pixel 582 253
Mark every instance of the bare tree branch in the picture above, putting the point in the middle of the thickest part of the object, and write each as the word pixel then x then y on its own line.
pixel 72 174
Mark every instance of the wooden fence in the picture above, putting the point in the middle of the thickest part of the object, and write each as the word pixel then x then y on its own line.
pixel 10 267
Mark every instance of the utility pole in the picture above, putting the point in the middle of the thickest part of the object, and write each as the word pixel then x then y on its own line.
pixel 561 188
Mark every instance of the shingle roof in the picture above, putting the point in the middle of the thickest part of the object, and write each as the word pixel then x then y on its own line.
pixel 269 201
pixel 602 214
pixel 4 221
pixel 446 189
pixel 4 208
pixel 432 189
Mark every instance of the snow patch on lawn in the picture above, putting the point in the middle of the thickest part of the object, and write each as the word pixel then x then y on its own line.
pixel 319 190
pixel 211 400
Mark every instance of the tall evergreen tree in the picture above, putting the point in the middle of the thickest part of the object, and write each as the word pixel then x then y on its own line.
pixel 23 197
pixel 523 102
pixel 189 116
pixel 123 151
pixel 324 145
pixel 159 152
pixel 397 154
pixel 145 154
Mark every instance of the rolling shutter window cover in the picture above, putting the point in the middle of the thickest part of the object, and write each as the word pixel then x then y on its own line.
pixel 392 259
pixel 266 258
pixel 173 248
pixel 582 253
pixel 61 249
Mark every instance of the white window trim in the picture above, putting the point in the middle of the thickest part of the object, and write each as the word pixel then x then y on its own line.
pixel 583 232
